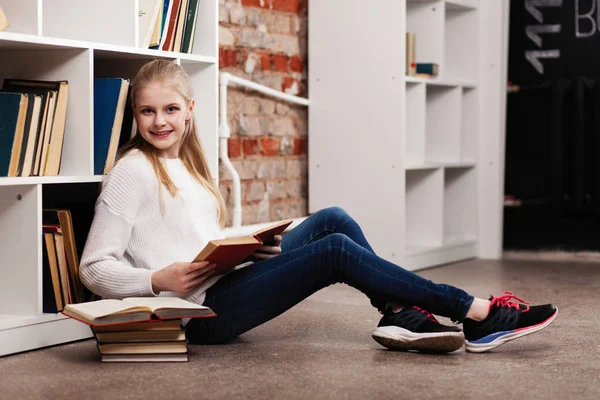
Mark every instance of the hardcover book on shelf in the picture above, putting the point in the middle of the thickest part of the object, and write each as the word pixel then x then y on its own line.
pixel 230 252
pixel 13 112
pixel 135 309
pixel 110 101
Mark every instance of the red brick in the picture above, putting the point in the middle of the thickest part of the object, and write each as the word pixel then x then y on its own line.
pixel 270 146
pixel 296 64
pixel 254 3
pixel 234 147
pixel 250 147
pixel 280 63
pixel 288 82
pixel 227 57
pixel 286 5
pixel 265 60
pixel 300 146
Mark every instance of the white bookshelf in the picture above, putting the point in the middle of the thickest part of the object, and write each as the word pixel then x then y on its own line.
pixel 418 162
pixel 77 41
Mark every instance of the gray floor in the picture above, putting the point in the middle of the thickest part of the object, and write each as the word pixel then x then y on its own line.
pixel 322 349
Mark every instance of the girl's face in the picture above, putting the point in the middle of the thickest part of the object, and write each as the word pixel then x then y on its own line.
pixel 162 115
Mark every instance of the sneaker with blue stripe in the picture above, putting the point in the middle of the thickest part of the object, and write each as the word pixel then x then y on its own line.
pixel 506 321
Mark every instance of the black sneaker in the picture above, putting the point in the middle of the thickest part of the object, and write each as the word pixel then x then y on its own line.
pixel 506 321
pixel 416 329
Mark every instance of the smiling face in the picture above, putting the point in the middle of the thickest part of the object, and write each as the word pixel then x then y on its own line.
pixel 162 115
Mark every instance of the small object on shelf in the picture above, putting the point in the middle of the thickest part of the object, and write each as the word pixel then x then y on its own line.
pixel 427 68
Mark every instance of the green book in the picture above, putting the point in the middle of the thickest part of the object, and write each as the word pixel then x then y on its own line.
pixel 190 27
pixel 13 111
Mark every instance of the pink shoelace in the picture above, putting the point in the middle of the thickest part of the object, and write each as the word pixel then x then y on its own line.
pixel 427 314
pixel 504 301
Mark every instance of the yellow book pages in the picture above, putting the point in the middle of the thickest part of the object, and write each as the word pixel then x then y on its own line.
pixel 143 348
pixel 168 325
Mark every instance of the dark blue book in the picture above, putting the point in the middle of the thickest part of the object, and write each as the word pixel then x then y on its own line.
pixel 13 111
pixel 106 97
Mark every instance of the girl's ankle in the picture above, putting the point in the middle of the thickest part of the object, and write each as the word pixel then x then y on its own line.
pixel 479 309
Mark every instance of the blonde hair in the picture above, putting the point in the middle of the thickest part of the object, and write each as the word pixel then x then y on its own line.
pixel 190 149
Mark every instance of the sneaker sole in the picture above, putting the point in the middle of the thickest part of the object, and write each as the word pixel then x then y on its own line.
pixel 506 336
pixel 396 338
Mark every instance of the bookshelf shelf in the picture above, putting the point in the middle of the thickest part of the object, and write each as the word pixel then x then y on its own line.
pixel 18 41
pixel 48 180
pixel 466 83
pixel 77 41
pixel 417 161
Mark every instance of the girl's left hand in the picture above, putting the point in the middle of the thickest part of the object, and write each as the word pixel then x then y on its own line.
pixel 264 251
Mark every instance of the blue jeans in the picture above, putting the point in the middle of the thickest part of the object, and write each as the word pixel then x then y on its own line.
pixel 328 247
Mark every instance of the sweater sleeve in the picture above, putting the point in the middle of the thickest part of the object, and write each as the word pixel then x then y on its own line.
pixel 102 268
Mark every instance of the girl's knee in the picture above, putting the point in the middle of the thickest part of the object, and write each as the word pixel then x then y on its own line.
pixel 335 213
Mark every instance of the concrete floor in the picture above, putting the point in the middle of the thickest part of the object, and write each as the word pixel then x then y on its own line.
pixel 322 349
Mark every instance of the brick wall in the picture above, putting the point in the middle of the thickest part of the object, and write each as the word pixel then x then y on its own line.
pixel 265 41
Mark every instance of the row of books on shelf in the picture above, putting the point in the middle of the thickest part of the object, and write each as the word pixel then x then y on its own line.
pixel 414 68
pixel 61 282
pixel 33 124
pixel 33 115
pixel 168 25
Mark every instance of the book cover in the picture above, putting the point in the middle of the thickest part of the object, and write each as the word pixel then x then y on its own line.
pixel 190 27
pixel 230 252
pixel 13 111
pixel 107 92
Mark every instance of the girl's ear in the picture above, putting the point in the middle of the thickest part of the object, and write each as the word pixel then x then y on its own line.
pixel 190 110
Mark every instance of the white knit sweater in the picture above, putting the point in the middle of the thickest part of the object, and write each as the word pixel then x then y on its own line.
pixel 131 237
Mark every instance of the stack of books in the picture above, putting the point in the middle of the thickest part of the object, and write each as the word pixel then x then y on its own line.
pixel 139 329
pixel 160 341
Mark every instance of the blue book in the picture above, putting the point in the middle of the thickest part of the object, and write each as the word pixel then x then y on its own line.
pixel 106 98
pixel 13 110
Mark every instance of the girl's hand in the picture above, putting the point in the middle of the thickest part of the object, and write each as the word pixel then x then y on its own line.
pixel 181 277
pixel 264 251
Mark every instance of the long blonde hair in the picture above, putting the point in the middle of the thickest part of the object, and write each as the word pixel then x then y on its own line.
pixel 190 149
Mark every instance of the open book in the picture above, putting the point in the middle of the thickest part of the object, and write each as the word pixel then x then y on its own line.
pixel 227 253
pixel 135 309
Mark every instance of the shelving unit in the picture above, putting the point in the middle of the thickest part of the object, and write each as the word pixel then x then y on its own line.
pixel 77 41
pixel 418 162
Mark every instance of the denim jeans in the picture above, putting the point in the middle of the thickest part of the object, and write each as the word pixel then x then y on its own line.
pixel 328 247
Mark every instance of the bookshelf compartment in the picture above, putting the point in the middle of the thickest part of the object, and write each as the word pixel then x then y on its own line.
pixel 459 202
pixel 424 207
pixel 426 20
pixel 415 123
pixel 23 16
pixel 107 21
pixel 74 66
pixel 468 124
pixel 20 235
pixel 206 108
pixel 443 114
pixel 80 199
pixel 461 33
pixel 206 37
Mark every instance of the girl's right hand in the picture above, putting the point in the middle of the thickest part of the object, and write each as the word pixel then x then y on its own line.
pixel 181 277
